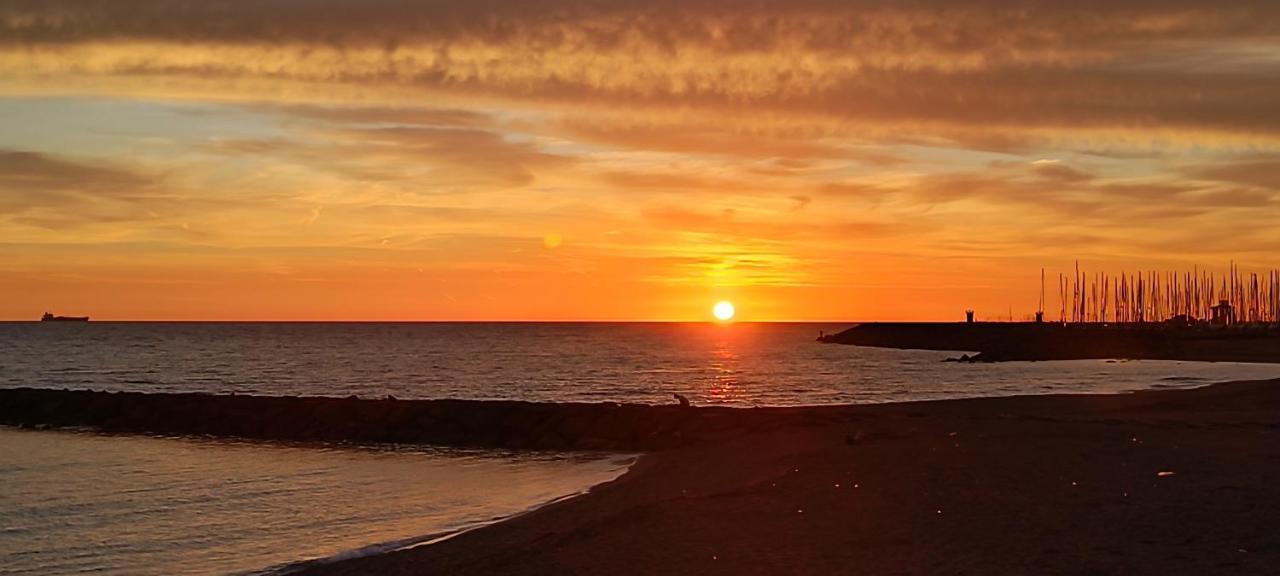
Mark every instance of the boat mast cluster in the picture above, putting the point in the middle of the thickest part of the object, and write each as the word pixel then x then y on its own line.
pixel 1150 296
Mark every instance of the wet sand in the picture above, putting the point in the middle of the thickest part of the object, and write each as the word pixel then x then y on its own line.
pixel 1168 482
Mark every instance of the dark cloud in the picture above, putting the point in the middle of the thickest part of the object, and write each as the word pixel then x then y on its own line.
pixel 438 158
pixel 384 115
pixel 863 190
pixel 730 224
pixel 22 171
pixel 982 64
pixel 460 155
pixel 724 138
pixel 1060 172
pixel 57 193
pixel 675 182
pixel 1261 173
pixel 1073 201
pixel 1238 197
pixel 1014 25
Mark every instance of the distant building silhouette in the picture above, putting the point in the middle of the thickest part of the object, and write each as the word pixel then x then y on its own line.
pixel 1223 313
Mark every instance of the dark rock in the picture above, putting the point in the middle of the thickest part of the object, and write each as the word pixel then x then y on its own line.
pixel 607 426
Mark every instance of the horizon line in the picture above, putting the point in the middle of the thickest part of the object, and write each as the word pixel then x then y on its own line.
pixel 448 321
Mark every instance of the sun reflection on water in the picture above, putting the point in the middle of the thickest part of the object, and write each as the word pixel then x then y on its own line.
pixel 725 367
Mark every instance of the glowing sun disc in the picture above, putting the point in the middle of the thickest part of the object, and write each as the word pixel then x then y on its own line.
pixel 723 310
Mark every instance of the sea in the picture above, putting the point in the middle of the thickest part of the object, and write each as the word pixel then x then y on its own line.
pixel 77 502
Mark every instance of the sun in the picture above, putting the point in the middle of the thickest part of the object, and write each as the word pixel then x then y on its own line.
pixel 723 310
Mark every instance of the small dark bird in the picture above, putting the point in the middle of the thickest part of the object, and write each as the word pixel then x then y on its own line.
pixel 682 400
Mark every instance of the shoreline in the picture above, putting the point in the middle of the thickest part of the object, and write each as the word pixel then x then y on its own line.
pixel 406 544
pixel 1168 481
pixel 203 502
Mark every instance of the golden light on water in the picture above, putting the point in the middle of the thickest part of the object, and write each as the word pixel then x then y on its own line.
pixel 724 311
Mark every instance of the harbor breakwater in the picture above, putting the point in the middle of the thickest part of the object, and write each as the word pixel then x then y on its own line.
pixel 1005 341
pixel 461 423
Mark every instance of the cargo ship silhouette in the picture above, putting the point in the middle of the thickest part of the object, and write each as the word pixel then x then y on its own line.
pixel 51 318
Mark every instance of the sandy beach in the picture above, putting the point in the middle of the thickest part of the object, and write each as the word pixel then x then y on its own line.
pixel 1162 482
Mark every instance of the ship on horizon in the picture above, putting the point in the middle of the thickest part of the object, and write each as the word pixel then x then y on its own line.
pixel 51 318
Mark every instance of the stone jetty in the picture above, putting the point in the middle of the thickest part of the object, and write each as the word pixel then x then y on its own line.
pixel 461 423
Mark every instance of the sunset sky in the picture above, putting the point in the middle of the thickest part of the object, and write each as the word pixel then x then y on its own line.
pixel 630 160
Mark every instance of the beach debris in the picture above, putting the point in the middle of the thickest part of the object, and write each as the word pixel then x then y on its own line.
pixel 861 436
pixel 1164 473
pixel 682 399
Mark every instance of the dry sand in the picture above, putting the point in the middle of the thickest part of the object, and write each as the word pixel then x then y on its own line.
pixel 1172 482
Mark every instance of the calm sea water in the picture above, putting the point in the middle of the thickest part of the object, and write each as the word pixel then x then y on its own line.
pixel 75 503
pixel 79 503
pixel 740 364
